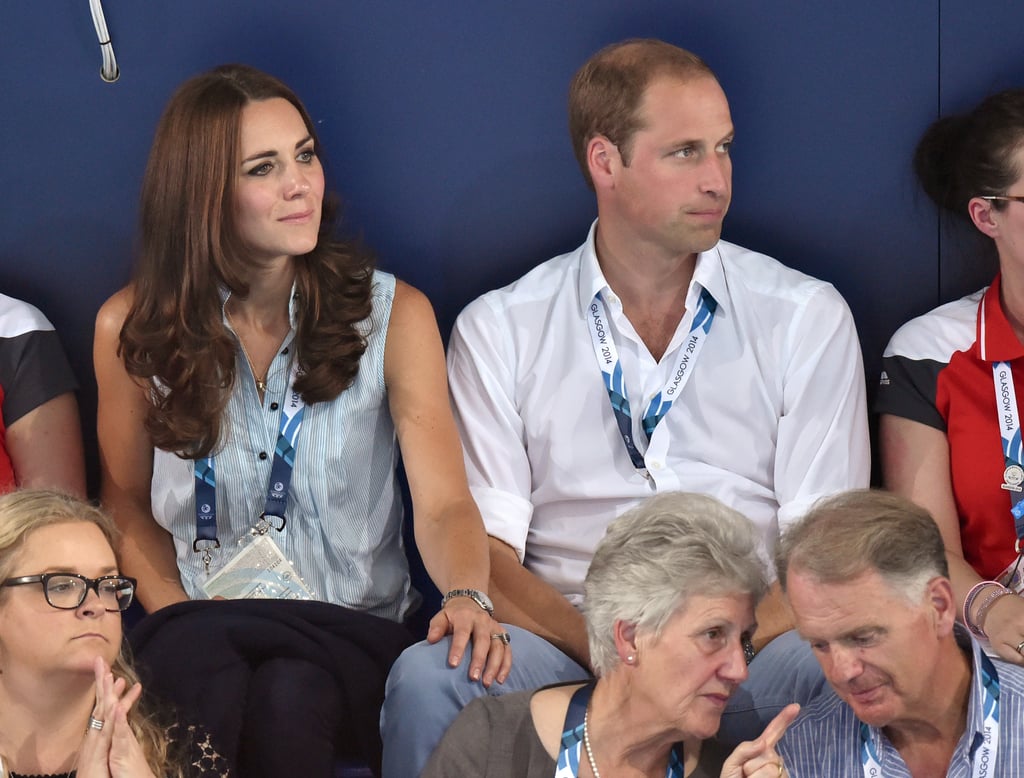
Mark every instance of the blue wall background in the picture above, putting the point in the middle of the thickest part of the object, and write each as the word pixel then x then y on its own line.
pixel 444 129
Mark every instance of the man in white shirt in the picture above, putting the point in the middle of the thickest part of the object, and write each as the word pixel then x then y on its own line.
pixel 655 357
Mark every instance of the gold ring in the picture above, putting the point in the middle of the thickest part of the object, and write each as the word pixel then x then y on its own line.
pixel 504 637
pixel 782 769
pixel 1020 647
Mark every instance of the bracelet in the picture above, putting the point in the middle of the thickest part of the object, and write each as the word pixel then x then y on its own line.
pixel 977 624
pixel 972 595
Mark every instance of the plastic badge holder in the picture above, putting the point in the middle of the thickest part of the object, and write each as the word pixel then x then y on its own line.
pixel 258 571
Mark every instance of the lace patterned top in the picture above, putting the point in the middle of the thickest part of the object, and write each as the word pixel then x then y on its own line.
pixel 190 746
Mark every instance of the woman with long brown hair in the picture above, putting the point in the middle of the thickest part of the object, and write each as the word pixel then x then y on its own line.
pixel 253 380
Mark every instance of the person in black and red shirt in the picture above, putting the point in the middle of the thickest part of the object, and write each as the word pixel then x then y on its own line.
pixel 40 435
pixel 950 424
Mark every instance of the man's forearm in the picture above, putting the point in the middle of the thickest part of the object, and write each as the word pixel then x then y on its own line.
pixel 773 617
pixel 523 599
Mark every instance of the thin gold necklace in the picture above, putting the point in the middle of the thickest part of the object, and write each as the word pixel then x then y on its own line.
pixel 261 383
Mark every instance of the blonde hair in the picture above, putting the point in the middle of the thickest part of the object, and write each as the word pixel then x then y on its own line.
pixel 25 511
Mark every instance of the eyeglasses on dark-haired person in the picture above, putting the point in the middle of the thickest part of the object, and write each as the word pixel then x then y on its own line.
pixel 67 591
pixel 1005 198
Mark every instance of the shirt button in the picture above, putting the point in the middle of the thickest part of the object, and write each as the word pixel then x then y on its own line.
pixel 263 455
pixel 656 465
pixel 274 406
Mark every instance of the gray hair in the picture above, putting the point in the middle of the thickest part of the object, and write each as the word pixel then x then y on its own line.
pixel 856 532
pixel 659 554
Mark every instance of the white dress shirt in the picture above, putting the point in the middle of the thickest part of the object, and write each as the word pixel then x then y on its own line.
pixel 772 418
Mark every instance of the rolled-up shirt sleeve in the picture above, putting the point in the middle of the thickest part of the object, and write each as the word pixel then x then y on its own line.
pixel 493 435
pixel 823 443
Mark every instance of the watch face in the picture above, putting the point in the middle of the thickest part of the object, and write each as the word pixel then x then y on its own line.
pixel 748 650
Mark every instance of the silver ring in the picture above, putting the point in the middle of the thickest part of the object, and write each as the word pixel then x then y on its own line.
pixel 504 637
pixel 1020 647
pixel 95 723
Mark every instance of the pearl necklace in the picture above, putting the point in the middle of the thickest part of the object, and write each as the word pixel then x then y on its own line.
pixel 586 744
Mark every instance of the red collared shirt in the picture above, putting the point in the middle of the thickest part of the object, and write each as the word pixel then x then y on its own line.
pixel 937 370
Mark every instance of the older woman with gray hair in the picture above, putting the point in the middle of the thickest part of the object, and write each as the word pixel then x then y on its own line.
pixel 669 603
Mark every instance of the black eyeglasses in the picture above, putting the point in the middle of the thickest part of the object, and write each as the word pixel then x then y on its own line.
pixel 1005 198
pixel 66 591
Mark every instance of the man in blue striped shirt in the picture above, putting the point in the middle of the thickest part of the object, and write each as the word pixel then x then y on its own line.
pixel 913 694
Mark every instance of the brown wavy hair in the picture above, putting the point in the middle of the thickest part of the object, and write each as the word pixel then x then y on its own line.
pixel 23 512
pixel 174 338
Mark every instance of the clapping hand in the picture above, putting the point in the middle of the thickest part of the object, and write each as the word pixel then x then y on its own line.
pixel 110 749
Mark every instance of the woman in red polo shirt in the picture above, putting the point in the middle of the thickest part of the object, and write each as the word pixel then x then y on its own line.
pixel 950 425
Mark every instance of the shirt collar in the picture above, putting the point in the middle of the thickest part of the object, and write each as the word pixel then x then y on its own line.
pixel 293 306
pixel 709 274
pixel 996 338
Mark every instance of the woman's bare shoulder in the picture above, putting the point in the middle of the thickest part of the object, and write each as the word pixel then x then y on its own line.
pixel 114 311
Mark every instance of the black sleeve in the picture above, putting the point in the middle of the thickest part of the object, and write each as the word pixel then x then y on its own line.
pixel 907 389
pixel 33 370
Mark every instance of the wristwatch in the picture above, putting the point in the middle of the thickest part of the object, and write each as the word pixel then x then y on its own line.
pixel 475 595
pixel 748 650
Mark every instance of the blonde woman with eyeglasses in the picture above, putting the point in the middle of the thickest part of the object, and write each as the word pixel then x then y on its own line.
pixel 69 699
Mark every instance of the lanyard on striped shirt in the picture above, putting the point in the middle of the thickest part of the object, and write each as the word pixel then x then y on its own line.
pixel 570 750
pixel 984 761
pixel 1013 451
pixel 685 358
pixel 276 501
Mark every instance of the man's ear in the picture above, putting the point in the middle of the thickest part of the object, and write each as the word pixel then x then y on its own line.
pixel 939 594
pixel 603 160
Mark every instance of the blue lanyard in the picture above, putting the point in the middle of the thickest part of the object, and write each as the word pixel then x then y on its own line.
pixel 281 469
pixel 984 760
pixel 570 751
pixel 868 753
pixel 684 359
pixel 1013 451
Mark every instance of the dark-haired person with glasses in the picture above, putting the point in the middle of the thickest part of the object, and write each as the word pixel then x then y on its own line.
pixel 69 699
pixel 951 423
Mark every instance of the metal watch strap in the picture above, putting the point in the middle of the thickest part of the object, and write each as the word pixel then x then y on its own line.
pixel 475 595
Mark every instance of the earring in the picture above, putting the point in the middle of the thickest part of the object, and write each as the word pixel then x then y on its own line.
pixel 629 659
